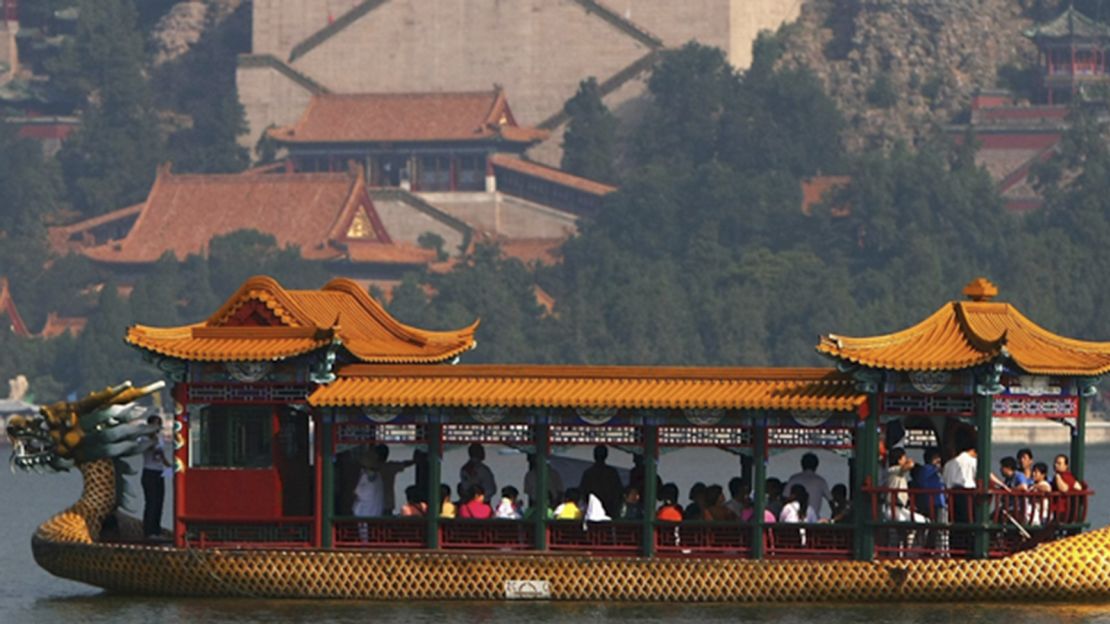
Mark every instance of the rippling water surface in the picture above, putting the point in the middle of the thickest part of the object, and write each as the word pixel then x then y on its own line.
pixel 27 594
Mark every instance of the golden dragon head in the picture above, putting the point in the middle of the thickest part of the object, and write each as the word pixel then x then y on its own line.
pixel 104 425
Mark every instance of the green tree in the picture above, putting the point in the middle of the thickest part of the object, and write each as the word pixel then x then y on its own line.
pixel 589 145
pixel 111 160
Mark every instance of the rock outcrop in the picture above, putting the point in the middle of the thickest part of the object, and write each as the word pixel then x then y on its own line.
pixel 184 24
pixel 898 68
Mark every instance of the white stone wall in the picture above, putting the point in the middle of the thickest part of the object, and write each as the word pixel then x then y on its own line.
pixel 405 224
pixel 9 54
pixel 537 49
pixel 279 25
pixel 268 97
pixel 504 215
pixel 749 17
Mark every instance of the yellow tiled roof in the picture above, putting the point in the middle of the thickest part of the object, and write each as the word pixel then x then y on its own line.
pixel 591 386
pixel 305 320
pixel 962 334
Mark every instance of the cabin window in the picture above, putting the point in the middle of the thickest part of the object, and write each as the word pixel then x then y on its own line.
pixel 233 436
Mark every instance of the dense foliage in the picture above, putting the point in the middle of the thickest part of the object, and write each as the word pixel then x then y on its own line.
pixel 702 257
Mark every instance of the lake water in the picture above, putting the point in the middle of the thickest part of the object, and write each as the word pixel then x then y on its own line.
pixel 28 594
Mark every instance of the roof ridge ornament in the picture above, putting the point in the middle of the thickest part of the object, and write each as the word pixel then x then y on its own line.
pixel 980 289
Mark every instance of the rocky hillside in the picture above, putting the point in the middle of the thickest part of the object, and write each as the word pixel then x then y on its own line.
pixel 183 25
pixel 898 68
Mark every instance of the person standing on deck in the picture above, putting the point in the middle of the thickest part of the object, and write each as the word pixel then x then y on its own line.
pixel 603 481
pixel 154 484
pixel 815 484
pixel 476 473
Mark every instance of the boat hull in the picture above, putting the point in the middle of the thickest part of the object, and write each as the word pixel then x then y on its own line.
pixel 1075 568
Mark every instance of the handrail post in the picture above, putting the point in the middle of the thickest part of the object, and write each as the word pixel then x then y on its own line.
pixel 759 484
pixel 541 432
pixel 651 470
pixel 984 415
pixel 434 433
pixel 1078 449
pixel 327 457
pixel 865 475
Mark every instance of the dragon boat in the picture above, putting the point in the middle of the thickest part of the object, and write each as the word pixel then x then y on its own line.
pixel 278 390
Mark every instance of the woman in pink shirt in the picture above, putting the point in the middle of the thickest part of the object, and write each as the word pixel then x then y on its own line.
pixel 475 507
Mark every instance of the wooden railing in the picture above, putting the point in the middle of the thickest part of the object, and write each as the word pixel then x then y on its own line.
pixel 291 532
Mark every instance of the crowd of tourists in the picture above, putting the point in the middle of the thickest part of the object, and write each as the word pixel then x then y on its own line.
pixel 913 492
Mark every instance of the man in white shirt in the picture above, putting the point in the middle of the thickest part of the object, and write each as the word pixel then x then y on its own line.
pixel 815 484
pixel 153 482
pixel 959 474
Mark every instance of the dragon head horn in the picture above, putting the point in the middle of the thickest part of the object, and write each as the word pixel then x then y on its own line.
pixel 99 398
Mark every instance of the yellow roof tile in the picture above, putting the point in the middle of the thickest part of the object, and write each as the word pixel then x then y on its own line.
pixel 591 386
pixel 302 321
pixel 962 334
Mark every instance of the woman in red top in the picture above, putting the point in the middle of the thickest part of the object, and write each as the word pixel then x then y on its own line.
pixel 1065 482
pixel 475 507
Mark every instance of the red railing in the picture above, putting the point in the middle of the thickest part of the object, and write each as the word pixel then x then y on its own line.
pixel 380 533
pixel 292 532
pixel 943 523
pixel 615 537
pixel 808 541
pixel 492 534
pixel 715 538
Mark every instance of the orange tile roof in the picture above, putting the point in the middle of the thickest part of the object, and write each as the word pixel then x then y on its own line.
pixel 57 325
pixel 61 237
pixel 407 117
pixel 591 386
pixel 550 174
pixel 962 334
pixel 821 188
pixel 312 211
pixel 306 320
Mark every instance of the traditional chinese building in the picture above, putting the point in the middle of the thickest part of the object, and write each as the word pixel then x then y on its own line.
pixel 1072 55
pixel 330 217
pixel 435 144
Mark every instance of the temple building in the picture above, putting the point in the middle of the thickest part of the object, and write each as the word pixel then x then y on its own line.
pixel 434 143
pixel 330 217
pixel 1013 136
pixel 538 49
pixel 1071 50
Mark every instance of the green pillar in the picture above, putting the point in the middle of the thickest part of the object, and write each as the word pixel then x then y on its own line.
pixel 434 433
pixel 759 484
pixel 1079 437
pixel 328 490
pixel 866 474
pixel 984 417
pixel 539 506
pixel 650 498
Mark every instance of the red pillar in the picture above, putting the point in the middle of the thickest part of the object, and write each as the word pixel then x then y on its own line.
pixel 180 394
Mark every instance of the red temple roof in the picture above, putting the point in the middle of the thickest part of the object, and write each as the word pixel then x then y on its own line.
pixel 327 215
pixel 263 321
pixel 407 117
pixel 7 307
pixel 550 174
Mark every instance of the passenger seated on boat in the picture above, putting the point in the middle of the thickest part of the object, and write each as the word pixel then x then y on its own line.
pixel 509 507
pixel 603 481
pixel 1038 511
pixel 1065 482
pixel 840 505
pixel 748 512
pixel 669 510
pixel 797 507
pixel 696 509
pixel 569 509
pixel 446 507
pixel 595 511
pixel 414 504
pixel 775 501
pixel 632 508
pixel 816 486
pixel 716 511
pixel 476 472
pixel 476 507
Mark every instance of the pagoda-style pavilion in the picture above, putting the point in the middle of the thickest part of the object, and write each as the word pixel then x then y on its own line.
pixel 278 392
pixel 1072 51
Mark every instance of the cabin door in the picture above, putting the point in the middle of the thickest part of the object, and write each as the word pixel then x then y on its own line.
pixel 292 456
